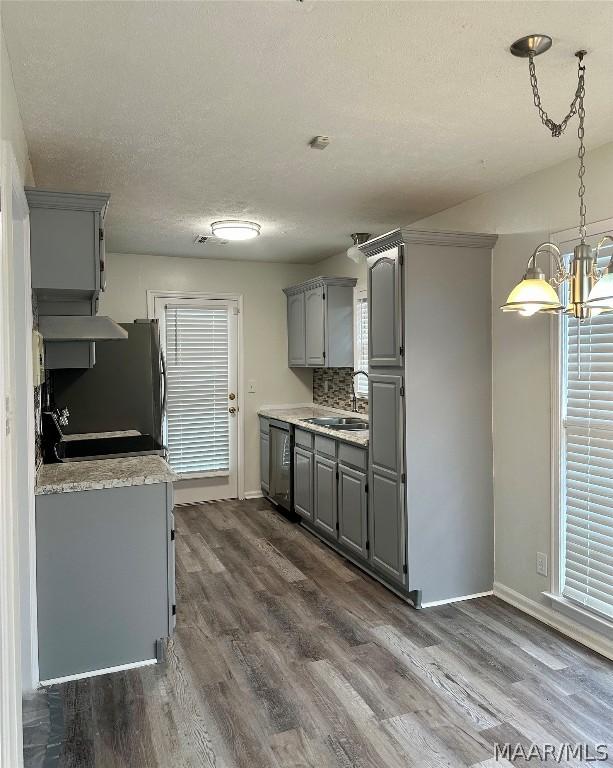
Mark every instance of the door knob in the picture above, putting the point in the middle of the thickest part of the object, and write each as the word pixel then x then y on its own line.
pixel 232 410
pixel 231 396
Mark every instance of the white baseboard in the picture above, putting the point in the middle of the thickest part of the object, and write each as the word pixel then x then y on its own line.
pixel 253 495
pixel 96 672
pixel 432 603
pixel 556 620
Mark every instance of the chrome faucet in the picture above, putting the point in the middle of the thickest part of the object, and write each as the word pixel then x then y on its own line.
pixel 354 397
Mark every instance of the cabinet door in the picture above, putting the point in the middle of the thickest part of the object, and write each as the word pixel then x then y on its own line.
pixel 303 482
pixel 387 529
pixel 352 510
pixel 64 249
pixel 264 462
pixel 384 309
pixel 324 507
pixel 296 331
pixel 315 322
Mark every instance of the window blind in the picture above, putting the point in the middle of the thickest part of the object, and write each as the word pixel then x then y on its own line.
pixel 197 425
pixel 587 523
pixel 361 337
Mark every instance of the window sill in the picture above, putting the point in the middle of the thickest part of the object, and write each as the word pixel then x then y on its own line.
pixel 592 621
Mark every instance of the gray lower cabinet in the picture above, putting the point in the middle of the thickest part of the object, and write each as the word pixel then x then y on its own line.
pixel 105 577
pixel 303 482
pixel 264 460
pixel 387 529
pixel 353 510
pixel 325 496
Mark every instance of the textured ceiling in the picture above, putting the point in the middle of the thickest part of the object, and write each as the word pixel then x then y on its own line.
pixel 190 112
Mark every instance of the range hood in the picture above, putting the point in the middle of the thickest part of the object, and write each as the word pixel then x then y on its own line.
pixel 79 328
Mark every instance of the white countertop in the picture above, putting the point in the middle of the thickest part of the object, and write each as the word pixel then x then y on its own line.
pixel 102 473
pixel 297 416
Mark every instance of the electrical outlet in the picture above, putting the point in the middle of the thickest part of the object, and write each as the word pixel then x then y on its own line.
pixel 251 386
pixel 541 563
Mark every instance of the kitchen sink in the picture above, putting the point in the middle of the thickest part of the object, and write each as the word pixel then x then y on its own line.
pixel 349 423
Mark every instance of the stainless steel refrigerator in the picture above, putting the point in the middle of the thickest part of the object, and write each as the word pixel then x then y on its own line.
pixel 124 390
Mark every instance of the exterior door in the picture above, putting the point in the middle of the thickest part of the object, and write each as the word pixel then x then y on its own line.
pixel 387 533
pixel 200 341
pixel 315 324
pixel 384 309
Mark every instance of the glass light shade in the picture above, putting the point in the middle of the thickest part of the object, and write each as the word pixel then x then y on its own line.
pixel 601 295
pixel 355 254
pixel 532 296
pixel 235 229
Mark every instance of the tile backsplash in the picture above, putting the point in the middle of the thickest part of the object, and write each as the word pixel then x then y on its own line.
pixel 339 391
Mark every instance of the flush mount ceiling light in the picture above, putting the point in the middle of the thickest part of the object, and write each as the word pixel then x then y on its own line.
pixel 353 252
pixel 235 229
pixel 590 288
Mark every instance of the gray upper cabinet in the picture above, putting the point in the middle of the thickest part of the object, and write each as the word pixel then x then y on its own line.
pixel 296 334
pixel 315 310
pixel 320 323
pixel 67 250
pixel 385 308
pixel 352 510
pixel 325 497
pixel 68 264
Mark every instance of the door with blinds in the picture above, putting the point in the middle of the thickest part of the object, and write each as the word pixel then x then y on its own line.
pixel 586 487
pixel 200 342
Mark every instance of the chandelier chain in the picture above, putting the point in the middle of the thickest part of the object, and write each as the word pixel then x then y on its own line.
pixel 581 154
pixel 557 129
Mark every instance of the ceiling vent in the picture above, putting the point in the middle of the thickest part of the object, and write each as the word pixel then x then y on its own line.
pixel 209 239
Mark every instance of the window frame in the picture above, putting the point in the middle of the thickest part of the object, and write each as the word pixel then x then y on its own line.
pixel 360 294
pixel 592 620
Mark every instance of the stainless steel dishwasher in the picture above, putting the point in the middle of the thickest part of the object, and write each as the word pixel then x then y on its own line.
pixel 281 464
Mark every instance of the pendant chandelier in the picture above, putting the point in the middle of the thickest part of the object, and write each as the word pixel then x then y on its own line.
pixel 590 289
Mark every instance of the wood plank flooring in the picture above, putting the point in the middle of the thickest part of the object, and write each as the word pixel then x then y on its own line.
pixel 287 656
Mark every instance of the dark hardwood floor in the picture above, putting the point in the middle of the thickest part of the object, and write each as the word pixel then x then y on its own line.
pixel 287 656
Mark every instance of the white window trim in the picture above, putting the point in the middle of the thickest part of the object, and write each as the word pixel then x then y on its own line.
pixel 586 618
pixel 359 294
pixel 152 296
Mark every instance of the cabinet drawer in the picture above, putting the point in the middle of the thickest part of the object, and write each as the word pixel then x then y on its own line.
pixel 303 438
pixel 352 455
pixel 264 425
pixel 325 446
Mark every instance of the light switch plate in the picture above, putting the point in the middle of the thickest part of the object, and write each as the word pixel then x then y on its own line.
pixel 251 386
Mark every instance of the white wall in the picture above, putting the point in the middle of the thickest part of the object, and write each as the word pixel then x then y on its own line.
pixel 340 266
pixel 524 214
pixel 264 322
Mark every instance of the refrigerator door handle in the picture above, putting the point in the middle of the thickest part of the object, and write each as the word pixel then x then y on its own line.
pixel 164 383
